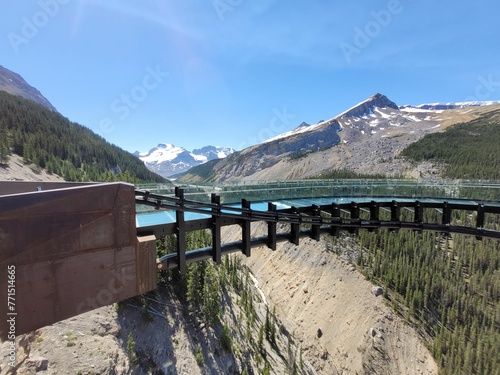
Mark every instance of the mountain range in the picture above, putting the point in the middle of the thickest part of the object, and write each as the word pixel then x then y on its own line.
pixel 168 160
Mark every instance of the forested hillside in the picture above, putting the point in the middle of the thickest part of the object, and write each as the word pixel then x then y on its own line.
pixel 50 141
pixel 447 287
pixel 469 150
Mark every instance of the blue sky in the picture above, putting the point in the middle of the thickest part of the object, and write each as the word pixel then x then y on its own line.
pixel 236 72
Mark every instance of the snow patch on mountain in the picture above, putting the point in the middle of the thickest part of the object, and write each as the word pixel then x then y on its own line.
pixel 302 128
pixel 368 106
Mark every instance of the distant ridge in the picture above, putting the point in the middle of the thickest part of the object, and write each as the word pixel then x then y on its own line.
pixel 14 84
pixel 455 105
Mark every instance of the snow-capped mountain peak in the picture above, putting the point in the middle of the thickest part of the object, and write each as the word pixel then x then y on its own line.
pixel 366 107
pixel 167 159
pixel 161 153
pixel 377 117
pixel 369 107
pixel 213 152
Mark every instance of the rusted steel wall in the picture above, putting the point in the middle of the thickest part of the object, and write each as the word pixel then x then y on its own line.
pixel 17 187
pixel 74 249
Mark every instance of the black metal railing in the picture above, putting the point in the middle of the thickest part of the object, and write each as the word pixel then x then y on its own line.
pixel 331 218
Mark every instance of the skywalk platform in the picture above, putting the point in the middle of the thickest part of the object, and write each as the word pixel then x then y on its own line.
pixel 75 247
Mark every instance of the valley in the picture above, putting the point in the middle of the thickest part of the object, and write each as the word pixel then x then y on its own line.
pixel 307 309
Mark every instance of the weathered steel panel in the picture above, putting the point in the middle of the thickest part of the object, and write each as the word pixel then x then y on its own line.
pixel 51 291
pixel 74 249
pixel 146 264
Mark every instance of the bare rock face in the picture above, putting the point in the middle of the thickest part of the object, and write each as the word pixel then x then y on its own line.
pixel 14 84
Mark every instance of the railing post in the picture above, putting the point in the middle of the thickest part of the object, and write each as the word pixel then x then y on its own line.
pixel 271 228
pixel 245 229
pixel 446 214
pixel 181 231
pixel 216 238
pixel 446 218
pixel 418 215
pixel 295 229
pixel 480 220
pixel 335 229
pixel 315 229
pixel 395 214
pixel 355 217
pixel 374 214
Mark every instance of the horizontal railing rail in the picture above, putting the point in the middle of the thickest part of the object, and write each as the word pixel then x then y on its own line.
pixel 330 218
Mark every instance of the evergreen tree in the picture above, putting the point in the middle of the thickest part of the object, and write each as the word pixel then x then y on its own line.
pixel 4 143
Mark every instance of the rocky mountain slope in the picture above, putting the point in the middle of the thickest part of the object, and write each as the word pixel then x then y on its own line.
pixel 14 84
pixel 168 160
pixel 366 138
